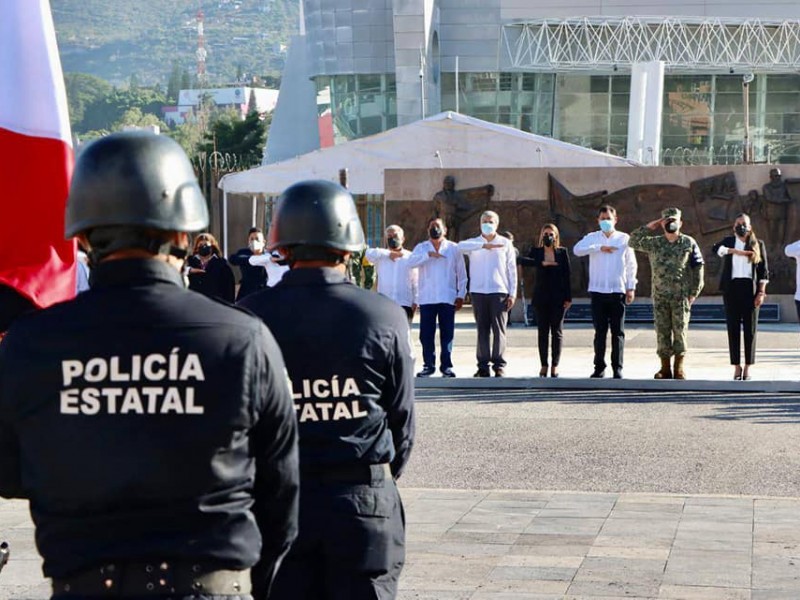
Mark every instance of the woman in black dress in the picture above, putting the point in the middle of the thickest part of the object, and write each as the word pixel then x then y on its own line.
pixel 743 283
pixel 552 295
pixel 209 272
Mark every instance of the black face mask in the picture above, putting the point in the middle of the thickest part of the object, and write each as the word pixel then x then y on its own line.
pixel 741 230
pixel 393 243
pixel 204 250
pixel 671 226
pixel 548 240
pixel 435 232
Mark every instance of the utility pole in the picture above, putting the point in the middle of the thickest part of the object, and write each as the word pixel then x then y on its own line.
pixel 747 151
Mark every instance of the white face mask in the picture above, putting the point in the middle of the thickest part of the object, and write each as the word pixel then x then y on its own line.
pixel 256 245
pixel 488 228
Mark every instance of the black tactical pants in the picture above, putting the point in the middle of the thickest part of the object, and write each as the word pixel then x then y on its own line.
pixel 351 543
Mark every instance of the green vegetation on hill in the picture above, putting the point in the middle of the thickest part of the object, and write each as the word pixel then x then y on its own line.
pixel 122 41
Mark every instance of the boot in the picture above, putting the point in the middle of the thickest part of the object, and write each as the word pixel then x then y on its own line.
pixel 678 370
pixel 665 372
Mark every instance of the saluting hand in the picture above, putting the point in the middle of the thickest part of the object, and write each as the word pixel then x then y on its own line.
pixel 608 249
pixel 489 246
pixel 434 254
pixel 655 224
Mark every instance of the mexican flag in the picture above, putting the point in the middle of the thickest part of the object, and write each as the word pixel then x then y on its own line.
pixel 36 157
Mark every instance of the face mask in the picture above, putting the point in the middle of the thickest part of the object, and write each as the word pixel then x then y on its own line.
pixel 671 226
pixel 742 230
pixel 256 245
pixel 548 240
pixel 606 225
pixel 394 243
pixel 435 232
pixel 204 250
pixel 488 228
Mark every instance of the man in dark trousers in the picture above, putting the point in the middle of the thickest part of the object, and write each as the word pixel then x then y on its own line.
pixel 349 358
pixel 151 428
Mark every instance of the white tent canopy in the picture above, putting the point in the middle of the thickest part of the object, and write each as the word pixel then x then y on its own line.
pixel 447 140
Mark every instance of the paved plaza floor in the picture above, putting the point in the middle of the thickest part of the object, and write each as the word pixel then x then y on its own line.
pixel 517 544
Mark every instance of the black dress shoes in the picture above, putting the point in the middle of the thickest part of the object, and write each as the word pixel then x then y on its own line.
pixel 426 372
pixel 482 373
pixel 448 373
pixel 598 374
pixel 618 373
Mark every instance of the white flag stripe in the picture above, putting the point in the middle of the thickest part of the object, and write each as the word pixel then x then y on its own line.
pixel 33 100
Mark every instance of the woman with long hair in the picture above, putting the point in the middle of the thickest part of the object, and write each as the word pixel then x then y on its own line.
pixel 209 273
pixel 552 295
pixel 743 282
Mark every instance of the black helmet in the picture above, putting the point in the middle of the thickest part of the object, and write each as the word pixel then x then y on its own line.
pixel 135 179
pixel 316 213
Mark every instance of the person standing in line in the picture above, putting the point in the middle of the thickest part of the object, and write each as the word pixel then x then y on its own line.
pixel 151 429
pixel 552 293
pixel 612 286
pixel 209 273
pixel 493 289
pixel 254 277
pixel 677 268
pixel 793 251
pixel 442 288
pixel 348 354
pixel 396 279
pixel 743 282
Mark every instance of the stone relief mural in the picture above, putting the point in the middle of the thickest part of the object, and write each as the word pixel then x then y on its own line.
pixel 709 207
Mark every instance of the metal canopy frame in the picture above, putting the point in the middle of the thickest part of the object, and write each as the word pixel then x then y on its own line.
pixel 685 44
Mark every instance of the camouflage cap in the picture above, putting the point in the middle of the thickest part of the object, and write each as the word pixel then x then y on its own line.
pixel 671 213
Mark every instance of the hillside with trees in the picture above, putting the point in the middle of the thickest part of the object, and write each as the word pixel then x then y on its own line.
pixel 139 43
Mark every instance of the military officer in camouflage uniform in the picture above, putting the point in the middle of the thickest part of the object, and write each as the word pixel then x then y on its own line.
pixel 677 267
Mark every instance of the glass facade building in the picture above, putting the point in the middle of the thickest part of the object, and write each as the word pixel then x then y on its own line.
pixel 377 64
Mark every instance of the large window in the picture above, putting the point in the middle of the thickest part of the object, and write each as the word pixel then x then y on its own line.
pixel 592 111
pixel 704 119
pixel 521 100
pixel 360 105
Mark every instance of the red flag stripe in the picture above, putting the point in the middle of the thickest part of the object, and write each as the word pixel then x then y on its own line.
pixel 35 156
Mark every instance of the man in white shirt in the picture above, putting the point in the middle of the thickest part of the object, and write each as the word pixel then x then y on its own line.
pixel 396 279
pixel 272 263
pixel 612 285
pixel 493 289
pixel 793 251
pixel 442 287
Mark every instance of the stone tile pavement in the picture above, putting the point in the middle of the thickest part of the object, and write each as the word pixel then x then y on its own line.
pixel 542 545
pixel 539 545
pixel 526 545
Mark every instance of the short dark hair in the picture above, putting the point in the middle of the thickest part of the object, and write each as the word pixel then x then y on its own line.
pixel 254 230
pixel 606 208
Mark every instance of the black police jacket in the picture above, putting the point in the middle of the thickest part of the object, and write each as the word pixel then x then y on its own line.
pixel 254 278
pixel 348 354
pixel 145 421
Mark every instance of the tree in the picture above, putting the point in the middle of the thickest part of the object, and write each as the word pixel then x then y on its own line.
pixel 134 117
pixel 105 112
pixel 82 91
pixel 188 135
pixel 228 133
pixel 174 83
pixel 252 105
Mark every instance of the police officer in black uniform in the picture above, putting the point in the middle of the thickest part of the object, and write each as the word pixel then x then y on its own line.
pixel 152 428
pixel 349 358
